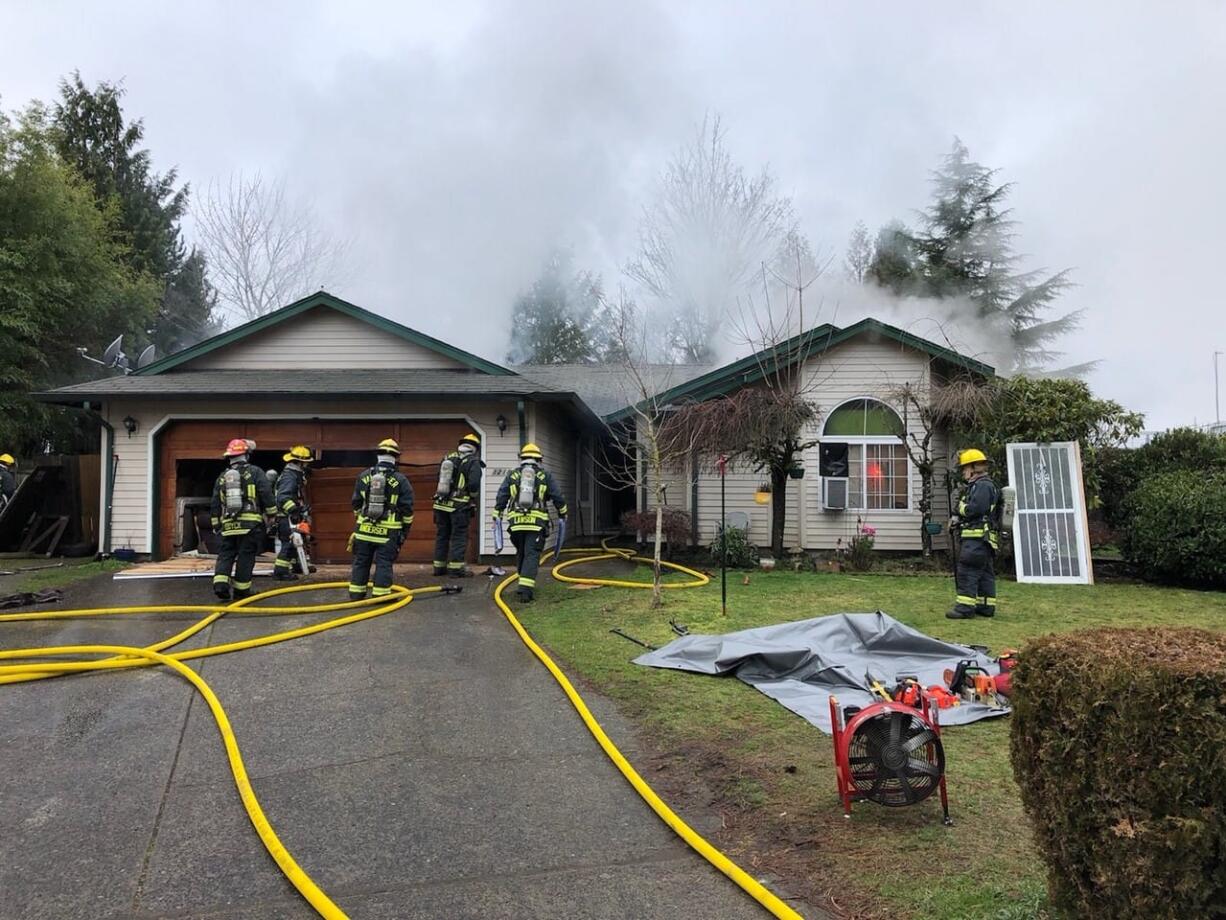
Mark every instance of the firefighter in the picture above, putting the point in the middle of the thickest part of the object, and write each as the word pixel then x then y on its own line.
pixel 978 523
pixel 383 509
pixel 523 496
pixel 242 500
pixel 291 505
pixel 8 482
pixel 459 485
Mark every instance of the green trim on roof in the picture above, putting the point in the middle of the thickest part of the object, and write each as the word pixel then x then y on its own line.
pixel 816 340
pixel 324 299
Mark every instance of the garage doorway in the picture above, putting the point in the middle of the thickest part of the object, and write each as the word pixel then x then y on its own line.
pixel 189 460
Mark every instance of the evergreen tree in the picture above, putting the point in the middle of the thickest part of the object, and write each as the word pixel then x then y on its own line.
pixel 66 280
pixel 964 248
pixel 553 321
pixel 93 137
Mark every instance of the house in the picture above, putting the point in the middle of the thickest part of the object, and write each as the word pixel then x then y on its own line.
pixel 330 374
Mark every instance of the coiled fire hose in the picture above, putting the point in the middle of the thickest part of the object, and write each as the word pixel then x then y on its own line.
pixel 124 656
pixel 743 879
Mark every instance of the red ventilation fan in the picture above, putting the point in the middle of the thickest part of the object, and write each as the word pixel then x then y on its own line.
pixel 888 753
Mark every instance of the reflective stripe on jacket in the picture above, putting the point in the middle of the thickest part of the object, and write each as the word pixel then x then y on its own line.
pixel 537 518
pixel 399 513
pixel 258 502
pixel 978 510
pixel 465 482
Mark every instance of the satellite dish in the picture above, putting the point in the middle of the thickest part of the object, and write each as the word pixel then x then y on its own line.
pixel 113 352
pixel 147 356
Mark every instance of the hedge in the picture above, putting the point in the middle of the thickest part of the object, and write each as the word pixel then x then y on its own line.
pixel 1119 747
pixel 1177 529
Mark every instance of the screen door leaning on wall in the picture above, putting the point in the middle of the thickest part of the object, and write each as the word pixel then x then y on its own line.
pixel 1050 537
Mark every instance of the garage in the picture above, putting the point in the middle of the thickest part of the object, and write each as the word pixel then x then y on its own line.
pixel 188 458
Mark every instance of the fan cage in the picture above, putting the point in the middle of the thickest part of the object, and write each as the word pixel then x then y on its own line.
pixel 894 758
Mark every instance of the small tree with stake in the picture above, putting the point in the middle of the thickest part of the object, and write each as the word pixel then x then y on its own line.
pixel 652 442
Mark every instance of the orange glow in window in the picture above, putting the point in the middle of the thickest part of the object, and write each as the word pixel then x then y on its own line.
pixel 874 471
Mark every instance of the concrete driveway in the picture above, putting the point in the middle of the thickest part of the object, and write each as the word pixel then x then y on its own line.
pixel 422 764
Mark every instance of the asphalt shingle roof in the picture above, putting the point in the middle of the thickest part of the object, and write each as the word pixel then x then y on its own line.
pixel 306 382
pixel 609 387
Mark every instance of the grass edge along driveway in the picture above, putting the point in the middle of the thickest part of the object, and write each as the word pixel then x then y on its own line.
pixel 771 774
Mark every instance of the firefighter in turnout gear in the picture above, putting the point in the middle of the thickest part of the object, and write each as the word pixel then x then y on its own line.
pixel 978 523
pixel 8 482
pixel 459 485
pixel 523 497
pixel 242 500
pixel 383 509
pixel 291 505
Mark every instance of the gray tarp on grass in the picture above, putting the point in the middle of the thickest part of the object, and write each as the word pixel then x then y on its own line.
pixel 801 664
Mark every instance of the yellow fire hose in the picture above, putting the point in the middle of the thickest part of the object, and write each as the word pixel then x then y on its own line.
pixel 132 657
pixel 747 882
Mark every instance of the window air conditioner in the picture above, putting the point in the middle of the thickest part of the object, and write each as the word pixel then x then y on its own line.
pixel 834 493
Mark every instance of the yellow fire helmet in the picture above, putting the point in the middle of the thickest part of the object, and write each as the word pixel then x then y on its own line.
pixel 530 452
pixel 472 439
pixel 299 453
pixel 7 460
pixel 974 455
pixel 389 446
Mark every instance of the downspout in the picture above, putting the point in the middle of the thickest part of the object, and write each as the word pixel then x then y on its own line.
pixel 108 480
pixel 523 423
pixel 694 497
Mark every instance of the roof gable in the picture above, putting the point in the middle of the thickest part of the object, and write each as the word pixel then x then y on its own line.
pixel 324 300
pixel 814 341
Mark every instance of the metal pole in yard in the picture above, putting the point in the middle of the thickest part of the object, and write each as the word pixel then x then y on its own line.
pixel 722 463
pixel 1217 405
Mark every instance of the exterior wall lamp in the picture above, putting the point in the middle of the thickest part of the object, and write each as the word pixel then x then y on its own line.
pixel 130 425
pixel 501 422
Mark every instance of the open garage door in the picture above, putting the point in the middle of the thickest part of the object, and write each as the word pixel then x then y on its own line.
pixel 189 462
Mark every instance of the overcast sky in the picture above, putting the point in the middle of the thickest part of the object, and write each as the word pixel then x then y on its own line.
pixel 456 143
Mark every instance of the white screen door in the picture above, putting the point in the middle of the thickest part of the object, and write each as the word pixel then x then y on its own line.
pixel 1050 538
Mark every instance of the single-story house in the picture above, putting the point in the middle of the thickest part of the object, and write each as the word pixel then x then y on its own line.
pixel 339 378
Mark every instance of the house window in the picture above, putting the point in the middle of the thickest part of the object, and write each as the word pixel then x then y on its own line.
pixel 877 464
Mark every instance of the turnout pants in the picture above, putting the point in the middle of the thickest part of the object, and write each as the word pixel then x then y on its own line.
pixel 528 546
pixel 236 555
pixel 976 580
pixel 382 555
pixel 287 557
pixel 450 539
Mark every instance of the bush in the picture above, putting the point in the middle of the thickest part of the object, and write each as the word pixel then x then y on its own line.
pixel 1177 529
pixel 1119 747
pixel 674 525
pixel 1122 470
pixel 741 553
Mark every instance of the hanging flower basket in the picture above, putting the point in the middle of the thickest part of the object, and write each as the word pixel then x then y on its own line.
pixel 933 527
pixel 796 472
pixel 763 495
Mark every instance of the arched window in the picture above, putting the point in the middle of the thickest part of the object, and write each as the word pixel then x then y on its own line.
pixel 878 469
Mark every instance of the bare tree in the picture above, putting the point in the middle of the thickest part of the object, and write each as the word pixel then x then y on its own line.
pixel 934 406
pixel 704 237
pixel 859 253
pixel 765 424
pixel 652 445
pixel 264 250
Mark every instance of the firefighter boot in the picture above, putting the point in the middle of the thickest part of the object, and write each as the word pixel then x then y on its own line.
pixel 439 570
pixel 959 614
pixel 241 593
pixel 222 590
pixel 525 595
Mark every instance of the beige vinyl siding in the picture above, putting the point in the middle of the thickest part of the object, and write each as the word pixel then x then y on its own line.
pixel 852 370
pixel 322 338
pixel 131 522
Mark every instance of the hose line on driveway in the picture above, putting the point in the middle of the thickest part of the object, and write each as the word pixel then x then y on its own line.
pixel 123 656
pixel 747 882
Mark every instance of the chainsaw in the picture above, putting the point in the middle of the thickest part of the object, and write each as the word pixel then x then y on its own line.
pixel 298 535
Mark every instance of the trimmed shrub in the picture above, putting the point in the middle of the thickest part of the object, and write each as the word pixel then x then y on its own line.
pixel 742 554
pixel 674 525
pixel 1119 747
pixel 1121 470
pixel 1177 529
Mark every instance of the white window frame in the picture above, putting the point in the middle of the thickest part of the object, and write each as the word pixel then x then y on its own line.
pixel 872 439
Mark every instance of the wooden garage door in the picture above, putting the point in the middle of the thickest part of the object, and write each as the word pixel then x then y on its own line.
pixel 330 487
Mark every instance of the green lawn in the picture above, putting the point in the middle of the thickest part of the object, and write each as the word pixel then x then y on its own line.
pixel 772 773
pixel 71 570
